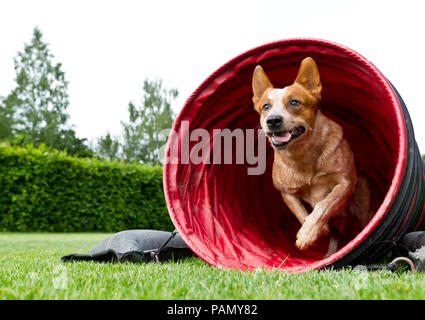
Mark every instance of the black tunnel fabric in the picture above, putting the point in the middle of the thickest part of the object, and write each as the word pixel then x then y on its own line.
pixel 135 246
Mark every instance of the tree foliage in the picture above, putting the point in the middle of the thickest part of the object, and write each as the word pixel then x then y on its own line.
pixel 141 140
pixel 36 111
pixel 7 118
pixel 146 121
pixel 108 147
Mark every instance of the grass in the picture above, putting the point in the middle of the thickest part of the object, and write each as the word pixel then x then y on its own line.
pixel 30 269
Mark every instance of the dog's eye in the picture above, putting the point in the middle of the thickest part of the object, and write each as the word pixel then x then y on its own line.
pixel 266 106
pixel 294 103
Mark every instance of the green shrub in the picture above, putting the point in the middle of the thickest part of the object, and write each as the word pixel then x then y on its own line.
pixel 45 190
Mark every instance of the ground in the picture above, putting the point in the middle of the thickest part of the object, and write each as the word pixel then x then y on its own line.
pixel 30 268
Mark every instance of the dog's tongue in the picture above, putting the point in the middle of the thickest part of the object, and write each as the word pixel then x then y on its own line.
pixel 285 138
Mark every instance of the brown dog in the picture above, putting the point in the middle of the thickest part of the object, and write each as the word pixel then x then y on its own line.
pixel 312 160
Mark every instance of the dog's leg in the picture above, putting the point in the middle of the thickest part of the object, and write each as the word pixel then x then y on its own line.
pixel 333 204
pixel 296 206
pixel 360 204
pixel 332 248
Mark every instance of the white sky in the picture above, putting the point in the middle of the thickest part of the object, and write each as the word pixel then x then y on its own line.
pixel 107 48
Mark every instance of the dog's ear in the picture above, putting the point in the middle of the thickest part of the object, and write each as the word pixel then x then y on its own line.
pixel 308 76
pixel 260 83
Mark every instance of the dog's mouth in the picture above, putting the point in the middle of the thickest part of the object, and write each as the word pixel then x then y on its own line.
pixel 281 140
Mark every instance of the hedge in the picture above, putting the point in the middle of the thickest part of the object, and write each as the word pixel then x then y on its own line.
pixel 45 190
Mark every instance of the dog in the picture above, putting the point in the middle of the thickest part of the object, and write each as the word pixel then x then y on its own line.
pixel 313 162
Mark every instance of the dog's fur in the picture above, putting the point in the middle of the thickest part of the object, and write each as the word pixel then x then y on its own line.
pixel 316 164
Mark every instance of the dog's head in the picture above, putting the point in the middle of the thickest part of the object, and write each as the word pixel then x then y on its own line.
pixel 287 115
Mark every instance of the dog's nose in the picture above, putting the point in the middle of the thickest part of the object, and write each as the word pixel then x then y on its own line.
pixel 274 122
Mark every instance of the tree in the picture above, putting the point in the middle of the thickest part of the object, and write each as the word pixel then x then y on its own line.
pixel 108 147
pixel 141 135
pixel 39 101
pixel 7 117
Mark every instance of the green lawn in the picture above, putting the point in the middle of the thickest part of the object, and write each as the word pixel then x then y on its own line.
pixel 30 269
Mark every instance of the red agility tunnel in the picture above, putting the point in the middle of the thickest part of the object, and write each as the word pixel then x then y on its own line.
pixel 232 219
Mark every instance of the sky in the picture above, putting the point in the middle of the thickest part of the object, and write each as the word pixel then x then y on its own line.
pixel 107 48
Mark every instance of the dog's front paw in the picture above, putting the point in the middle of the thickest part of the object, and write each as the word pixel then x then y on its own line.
pixel 305 239
pixel 309 232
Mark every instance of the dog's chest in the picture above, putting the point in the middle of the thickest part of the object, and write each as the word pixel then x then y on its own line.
pixel 288 180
